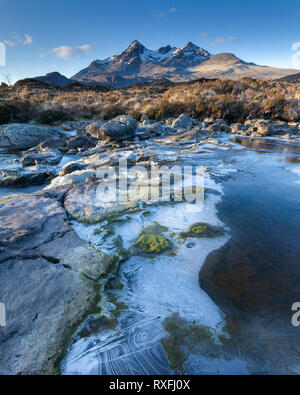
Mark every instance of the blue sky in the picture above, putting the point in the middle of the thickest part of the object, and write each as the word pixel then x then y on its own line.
pixel 66 35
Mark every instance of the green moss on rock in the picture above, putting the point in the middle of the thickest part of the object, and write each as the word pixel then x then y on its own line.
pixel 153 244
pixel 203 230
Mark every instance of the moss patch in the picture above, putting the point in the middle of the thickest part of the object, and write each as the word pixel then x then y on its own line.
pixel 153 244
pixel 202 229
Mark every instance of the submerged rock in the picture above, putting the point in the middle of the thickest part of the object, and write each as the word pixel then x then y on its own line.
pixel 16 136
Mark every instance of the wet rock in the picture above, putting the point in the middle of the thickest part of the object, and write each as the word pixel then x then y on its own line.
pixel 48 277
pixel 50 157
pixel 23 136
pixel 71 167
pixel 183 122
pixel 120 128
pixel 25 177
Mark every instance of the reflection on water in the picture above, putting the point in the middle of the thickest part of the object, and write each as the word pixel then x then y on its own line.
pixel 290 149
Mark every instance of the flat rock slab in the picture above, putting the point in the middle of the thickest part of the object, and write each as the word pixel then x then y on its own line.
pixel 48 281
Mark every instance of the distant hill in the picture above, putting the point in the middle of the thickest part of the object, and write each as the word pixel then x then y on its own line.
pixel 55 78
pixel 295 78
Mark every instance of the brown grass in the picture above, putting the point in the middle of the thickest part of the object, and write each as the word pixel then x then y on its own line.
pixel 234 101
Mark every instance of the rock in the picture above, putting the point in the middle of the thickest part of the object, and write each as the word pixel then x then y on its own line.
pixel 71 126
pixel 94 129
pixel 215 127
pixel 154 130
pixel 286 136
pixel 84 203
pixel 264 129
pixel 82 143
pixel 153 244
pixel 183 122
pixel 35 157
pixel 59 144
pixel 76 177
pixel 238 128
pixel 25 177
pixel 16 136
pixel 71 167
pixel 121 128
pixel 48 282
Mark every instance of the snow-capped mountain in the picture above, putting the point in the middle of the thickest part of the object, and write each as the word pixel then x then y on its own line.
pixel 141 64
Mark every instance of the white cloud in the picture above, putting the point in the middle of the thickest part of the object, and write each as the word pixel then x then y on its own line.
pixel 84 49
pixel 10 43
pixel 222 40
pixel 28 39
pixel 66 52
pixel 173 10
pixel 15 39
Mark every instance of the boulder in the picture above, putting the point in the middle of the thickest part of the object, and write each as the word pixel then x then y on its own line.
pixel 183 122
pixel 121 128
pixel 17 136
pixel 25 177
pixel 35 157
pixel 48 283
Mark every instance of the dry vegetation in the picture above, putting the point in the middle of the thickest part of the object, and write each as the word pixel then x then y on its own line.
pixel 234 101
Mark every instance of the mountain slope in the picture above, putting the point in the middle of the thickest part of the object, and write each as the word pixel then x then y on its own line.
pixel 228 66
